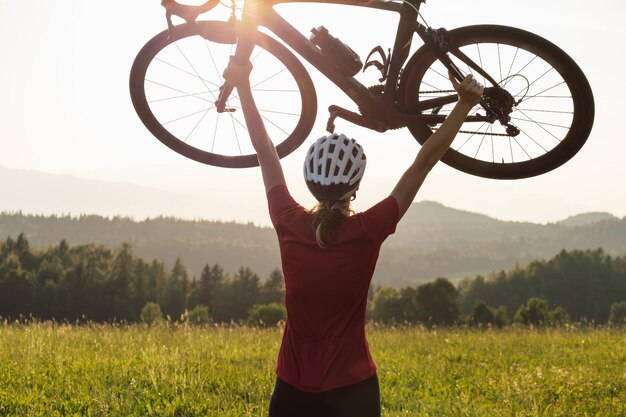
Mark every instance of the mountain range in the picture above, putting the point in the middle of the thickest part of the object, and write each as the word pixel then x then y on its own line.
pixel 433 240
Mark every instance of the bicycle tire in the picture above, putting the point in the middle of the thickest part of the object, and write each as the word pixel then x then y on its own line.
pixel 581 108
pixel 217 34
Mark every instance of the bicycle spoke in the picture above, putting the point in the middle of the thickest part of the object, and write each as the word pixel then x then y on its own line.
pixel 493 155
pixel 547 89
pixel 522 148
pixel 236 135
pixel 468 139
pixel 431 86
pixel 540 123
pixel 217 71
pixel 193 68
pixel 480 144
pixel 480 58
pixel 529 62
pixel 511 148
pixel 217 121
pixel 540 77
pixel 275 91
pixel 499 62
pixel 269 78
pixel 185 71
pixel 546 111
pixel 528 136
pixel 440 74
pixel 275 125
pixel 177 97
pixel 256 56
pixel 180 91
pixel 511 67
pixel 199 121
pixel 184 117
pixel 279 112
pixel 541 126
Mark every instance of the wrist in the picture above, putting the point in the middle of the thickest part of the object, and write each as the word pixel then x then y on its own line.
pixel 464 106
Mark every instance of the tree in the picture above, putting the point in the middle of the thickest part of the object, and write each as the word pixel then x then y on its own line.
pixel 273 289
pixel 534 312
pixel 244 292
pixel 206 292
pixel 437 303
pixel 386 306
pixel 500 316
pixel 617 316
pixel 266 315
pixel 120 284
pixel 16 292
pixel 558 316
pixel 176 291
pixel 483 315
pixel 199 315
pixel 151 313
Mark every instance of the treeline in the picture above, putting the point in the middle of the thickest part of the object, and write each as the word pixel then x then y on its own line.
pixel 93 283
pixel 433 241
pixel 581 286
pixel 585 283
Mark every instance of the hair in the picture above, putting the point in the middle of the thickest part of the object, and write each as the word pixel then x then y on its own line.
pixel 328 216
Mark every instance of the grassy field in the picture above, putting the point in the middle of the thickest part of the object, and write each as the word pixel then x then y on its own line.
pixel 59 370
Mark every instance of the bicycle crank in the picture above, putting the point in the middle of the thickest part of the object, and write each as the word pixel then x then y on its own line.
pixel 357 119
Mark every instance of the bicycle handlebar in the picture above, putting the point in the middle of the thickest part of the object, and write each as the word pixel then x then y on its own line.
pixel 188 13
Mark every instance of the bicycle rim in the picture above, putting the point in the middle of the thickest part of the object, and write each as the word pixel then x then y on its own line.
pixel 554 104
pixel 175 82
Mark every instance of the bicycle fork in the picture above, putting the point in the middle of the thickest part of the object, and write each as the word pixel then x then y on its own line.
pixel 245 44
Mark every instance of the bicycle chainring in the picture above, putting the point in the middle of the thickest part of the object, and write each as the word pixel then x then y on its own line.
pixel 377 89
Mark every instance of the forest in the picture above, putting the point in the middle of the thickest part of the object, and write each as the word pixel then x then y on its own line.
pixel 434 240
pixel 90 282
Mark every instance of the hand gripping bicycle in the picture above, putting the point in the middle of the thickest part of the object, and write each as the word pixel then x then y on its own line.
pixel 536 112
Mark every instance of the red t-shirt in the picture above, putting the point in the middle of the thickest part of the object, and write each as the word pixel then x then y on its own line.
pixel 324 345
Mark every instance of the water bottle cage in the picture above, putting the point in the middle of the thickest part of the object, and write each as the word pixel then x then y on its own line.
pixel 383 66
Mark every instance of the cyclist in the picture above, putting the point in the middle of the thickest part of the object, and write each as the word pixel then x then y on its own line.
pixel 328 254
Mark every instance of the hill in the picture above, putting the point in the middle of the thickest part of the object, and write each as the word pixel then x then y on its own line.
pixel 433 241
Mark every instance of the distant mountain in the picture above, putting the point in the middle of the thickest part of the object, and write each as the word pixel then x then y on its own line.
pixel 433 240
pixel 38 192
pixel 586 219
pixel 426 246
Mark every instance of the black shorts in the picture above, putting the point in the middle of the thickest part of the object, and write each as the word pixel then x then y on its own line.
pixel 358 400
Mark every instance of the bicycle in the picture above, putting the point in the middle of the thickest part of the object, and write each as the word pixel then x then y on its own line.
pixel 536 113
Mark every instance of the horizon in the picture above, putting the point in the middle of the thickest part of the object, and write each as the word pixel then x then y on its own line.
pixel 68 112
pixel 74 214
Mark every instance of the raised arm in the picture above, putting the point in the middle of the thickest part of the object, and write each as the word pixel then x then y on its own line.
pixel 239 76
pixel 436 146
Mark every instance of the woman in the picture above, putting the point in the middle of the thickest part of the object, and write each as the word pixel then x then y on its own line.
pixel 328 254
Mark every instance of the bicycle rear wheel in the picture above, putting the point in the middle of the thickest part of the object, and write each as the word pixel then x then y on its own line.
pixel 553 109
pixel 175 81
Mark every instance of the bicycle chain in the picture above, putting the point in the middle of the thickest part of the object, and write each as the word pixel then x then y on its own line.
pixel 437 91
pixel 486 133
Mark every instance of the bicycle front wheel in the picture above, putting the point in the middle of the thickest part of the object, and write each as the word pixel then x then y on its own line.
pixel 175 82
pixel 550 102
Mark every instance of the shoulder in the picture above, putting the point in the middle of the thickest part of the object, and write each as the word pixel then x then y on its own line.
pixel 282 205
pixel 381 219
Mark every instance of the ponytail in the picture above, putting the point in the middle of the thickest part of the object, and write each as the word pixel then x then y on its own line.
pixel 329 216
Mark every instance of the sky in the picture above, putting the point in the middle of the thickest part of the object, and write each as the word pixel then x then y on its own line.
pixel 65 107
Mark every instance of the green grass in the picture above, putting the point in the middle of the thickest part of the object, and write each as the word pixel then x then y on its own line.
pixel 59 370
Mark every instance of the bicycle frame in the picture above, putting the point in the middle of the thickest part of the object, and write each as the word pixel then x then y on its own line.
pixel 262 13
pixel 379 112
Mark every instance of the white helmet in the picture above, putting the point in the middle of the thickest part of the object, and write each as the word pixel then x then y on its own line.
pixel 333 167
